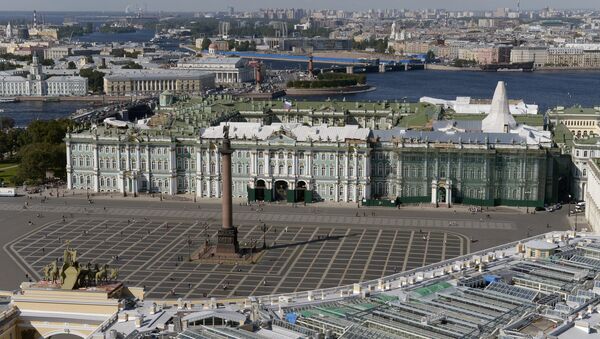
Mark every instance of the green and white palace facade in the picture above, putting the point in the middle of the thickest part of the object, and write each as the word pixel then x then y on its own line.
pixel 491 162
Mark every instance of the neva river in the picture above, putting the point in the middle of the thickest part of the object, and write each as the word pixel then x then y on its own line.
pixel 26 111
pixel 547 89
pixel 544 88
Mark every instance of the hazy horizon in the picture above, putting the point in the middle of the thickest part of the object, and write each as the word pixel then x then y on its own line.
pixel 244 5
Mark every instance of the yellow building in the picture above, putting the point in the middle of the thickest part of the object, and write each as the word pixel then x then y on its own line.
pixel 581 122
pixel 40 310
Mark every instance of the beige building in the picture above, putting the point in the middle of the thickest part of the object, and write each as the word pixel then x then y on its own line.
pixel 537 55
pixel 592 196
pixel 57 52
pixel 140 82
pixel 581 122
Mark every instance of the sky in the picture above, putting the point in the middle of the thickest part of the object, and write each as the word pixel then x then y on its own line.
pixel 211 5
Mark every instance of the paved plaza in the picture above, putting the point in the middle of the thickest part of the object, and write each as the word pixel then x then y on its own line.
pixel 154 254
pixel 308 247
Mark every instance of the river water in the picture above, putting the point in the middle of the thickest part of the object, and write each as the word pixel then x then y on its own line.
pixel 544 88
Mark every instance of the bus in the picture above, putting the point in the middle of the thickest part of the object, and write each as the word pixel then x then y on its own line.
pixel 8 192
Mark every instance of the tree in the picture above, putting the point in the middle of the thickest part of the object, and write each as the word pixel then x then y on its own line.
pixel 39 158
pixel 430 56
pixel 6 123
pixel 95 79
pixel 132 65
pixel 205 43
pixel 71 65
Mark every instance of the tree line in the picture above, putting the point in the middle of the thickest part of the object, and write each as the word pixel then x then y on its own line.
pixel 38 149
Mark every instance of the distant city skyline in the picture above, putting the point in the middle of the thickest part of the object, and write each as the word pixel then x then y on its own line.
pixel 204 5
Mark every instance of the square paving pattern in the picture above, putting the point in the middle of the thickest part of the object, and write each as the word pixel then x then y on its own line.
pixel 154 254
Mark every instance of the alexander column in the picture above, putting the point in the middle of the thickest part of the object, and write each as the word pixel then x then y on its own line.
pixel 227 242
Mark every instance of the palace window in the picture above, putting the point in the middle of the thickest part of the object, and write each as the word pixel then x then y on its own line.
pixel 289 170
pixel 301 170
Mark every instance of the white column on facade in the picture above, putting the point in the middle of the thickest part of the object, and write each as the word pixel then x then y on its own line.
pixel 267 166
pixel 95 163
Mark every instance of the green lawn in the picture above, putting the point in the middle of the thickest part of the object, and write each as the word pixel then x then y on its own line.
pixel 7 171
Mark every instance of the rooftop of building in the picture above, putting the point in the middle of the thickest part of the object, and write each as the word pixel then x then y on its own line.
pixel 502 290
pixel 575 110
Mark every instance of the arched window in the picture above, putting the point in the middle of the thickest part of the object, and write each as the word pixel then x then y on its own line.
pixel 239 168
pixel 289 170
pixel 114 181
pixel 101 181
pixel 350 171
pixel 143 163
pixel 247 169
pixel 187 164
pixel 166 165
pixel 584 172
pixel 301 170
pixel 260 169
pixel 133 164
pixel 87 162
pixel 101 162
pixel 281 155
pixel 213 168
pixel 359 172
pixel 159 165
pixel 280 170
pixel 153 165
pixel 114 163
pixel 80 161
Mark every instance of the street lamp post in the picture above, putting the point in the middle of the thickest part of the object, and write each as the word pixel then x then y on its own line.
pixel 527 193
